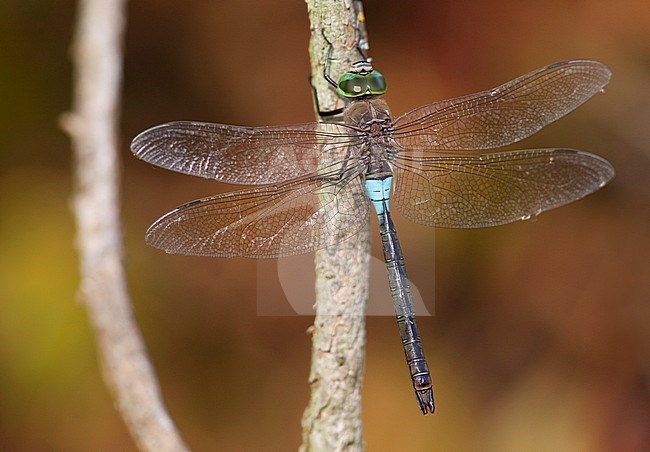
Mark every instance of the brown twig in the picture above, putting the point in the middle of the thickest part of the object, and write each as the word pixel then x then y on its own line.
pixel 332 420
pixel 92 126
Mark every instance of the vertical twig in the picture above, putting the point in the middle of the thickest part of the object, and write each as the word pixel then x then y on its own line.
pixel 332 420
pixel 92 126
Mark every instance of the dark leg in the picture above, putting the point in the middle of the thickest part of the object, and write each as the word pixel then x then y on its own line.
pixel 330 80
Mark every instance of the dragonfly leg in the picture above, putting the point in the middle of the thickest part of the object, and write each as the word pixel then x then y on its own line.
pixel 330 80
pixel 328 59
pixel 323 113
pixel 330 50
pixel 328 77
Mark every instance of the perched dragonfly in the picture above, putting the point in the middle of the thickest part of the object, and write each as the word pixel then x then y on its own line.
pixel 311 178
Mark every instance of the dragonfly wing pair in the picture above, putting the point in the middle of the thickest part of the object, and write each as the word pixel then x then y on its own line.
pixel 309 172
pixel 291 211
pixel 438 186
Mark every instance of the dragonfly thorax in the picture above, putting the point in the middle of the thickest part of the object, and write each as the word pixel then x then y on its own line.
pixel 371 119
pixel 369 115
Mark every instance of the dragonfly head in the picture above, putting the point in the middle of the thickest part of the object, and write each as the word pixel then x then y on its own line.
pixel 361 80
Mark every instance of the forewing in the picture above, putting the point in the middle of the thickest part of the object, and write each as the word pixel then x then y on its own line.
pixel 264 222
pixel 240 155
pixel 476 191
pixel 503 115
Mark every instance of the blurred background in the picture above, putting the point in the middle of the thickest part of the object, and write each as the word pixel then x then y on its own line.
pixel 541 337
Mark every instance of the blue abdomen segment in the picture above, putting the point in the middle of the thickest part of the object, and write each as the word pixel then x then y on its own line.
pixel 378 191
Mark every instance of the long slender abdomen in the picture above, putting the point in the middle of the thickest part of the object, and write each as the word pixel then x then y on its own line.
pixel 378 190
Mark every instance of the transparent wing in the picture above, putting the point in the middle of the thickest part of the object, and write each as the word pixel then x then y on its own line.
pixel 241 155
pixel 476 191
pixel 265 222
pixel 503 115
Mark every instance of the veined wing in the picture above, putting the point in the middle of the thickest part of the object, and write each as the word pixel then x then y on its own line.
pixel 265 222
pixel 241 155
pixel 503 115
pixel 474 191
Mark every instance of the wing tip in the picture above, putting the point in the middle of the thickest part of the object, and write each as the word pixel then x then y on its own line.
pixel 604 70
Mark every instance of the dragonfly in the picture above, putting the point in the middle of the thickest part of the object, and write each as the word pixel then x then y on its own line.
pixel 438 164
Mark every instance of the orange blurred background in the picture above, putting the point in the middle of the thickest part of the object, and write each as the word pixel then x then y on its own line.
pixel 541 337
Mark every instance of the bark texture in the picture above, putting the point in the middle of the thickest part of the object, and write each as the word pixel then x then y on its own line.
pixel 92 125
pixel 332 420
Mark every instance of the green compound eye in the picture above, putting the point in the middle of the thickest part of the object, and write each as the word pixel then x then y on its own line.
pixel 352 84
